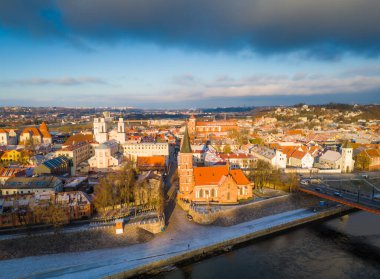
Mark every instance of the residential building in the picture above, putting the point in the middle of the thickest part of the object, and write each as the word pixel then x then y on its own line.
pixel 18 210
pixel 275 157
pixel 8 172
pixel 78 153
pixel 27 185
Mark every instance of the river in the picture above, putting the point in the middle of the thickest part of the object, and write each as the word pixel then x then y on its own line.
pixel 347 247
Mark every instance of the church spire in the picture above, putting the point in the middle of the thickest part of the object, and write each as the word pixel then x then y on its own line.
pixel 186 147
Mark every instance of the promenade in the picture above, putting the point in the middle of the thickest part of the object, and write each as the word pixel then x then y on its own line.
pixel 182 240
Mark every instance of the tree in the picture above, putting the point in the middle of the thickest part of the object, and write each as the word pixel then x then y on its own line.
pixel 227 149
pixel 125 181
pixel 51 214
pixel 262 174
pixel 362 162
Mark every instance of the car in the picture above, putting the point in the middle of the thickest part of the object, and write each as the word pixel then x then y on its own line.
pixel 304 182
pixel 189 217
pixel 365 176
pixel 318 189
pixel 337 194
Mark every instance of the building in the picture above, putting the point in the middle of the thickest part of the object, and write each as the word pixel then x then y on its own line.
pixel 28 185
pixel 8 172
pixel 20 156
pixel 202 129
pixel 19 210
pixel 33 135
pixel 275 157
pixel 301 159
pixel 239 160
pixel 57 166
pixel 330 160
pixel 347 157
pixel 121 135
pixel 78 153
pixel 158 163
pixel 145 149
pixel 106 156
pixel 101 129
pixel 8 137
pixel 217 184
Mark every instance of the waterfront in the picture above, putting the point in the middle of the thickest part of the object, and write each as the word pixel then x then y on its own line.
pixel 347 247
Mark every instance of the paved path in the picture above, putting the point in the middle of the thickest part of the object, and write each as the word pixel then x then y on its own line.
pixel 100 263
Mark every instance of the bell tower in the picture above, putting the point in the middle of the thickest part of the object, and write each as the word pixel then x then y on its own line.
pixel 191 125
pixel 121 137
pixel 185 168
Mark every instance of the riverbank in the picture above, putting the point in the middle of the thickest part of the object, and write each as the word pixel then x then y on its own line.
pixel 227 244
pixel 163 250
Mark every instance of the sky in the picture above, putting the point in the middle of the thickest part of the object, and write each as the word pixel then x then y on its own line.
pixel 188 54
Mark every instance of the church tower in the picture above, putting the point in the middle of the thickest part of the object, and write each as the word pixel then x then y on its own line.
pixel 185 168
pixel 121 136
pixel 100 130
pixel 347 164
pixel 191 125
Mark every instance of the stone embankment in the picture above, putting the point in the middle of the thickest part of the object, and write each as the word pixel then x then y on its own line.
pixel 226 243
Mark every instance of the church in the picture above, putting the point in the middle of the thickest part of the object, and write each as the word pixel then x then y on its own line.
pixel 216 184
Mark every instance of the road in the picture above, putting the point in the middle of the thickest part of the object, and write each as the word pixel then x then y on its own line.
pixel 343 195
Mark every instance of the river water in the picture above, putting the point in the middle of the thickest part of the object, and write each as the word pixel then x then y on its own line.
pixel 347 247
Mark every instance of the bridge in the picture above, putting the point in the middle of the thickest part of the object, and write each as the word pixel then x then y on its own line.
pixel 360 193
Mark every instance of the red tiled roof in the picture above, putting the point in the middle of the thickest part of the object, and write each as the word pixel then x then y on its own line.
pixel 212 175
pixel 79 138
pixel 151 161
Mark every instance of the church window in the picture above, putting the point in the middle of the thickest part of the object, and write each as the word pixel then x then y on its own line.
pixel 201 193
pixel 212 192
pixel 228 196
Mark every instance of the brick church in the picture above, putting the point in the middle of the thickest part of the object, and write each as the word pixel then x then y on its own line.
pixel 217 184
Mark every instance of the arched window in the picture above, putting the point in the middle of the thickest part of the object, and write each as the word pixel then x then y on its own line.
pixel 228 195
pixel 213 192
pixel 201 193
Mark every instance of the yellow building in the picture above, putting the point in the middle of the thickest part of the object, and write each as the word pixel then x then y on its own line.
pixel 15 156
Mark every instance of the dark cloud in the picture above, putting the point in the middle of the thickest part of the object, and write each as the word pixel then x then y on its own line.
pixel 324 29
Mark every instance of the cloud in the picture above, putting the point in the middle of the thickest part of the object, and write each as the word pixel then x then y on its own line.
pixel 300 84
pixel 64 81
pixel 323 29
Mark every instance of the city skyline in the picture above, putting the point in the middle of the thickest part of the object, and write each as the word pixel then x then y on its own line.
pixel 171 54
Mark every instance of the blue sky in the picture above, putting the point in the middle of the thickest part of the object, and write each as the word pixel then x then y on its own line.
pixel 187 54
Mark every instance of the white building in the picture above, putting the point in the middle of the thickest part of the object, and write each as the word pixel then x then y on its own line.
pixel 301 159
pixel 106 156
pixel 121 136
pixel 101 128
pixel 145 149
pixel 275 157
